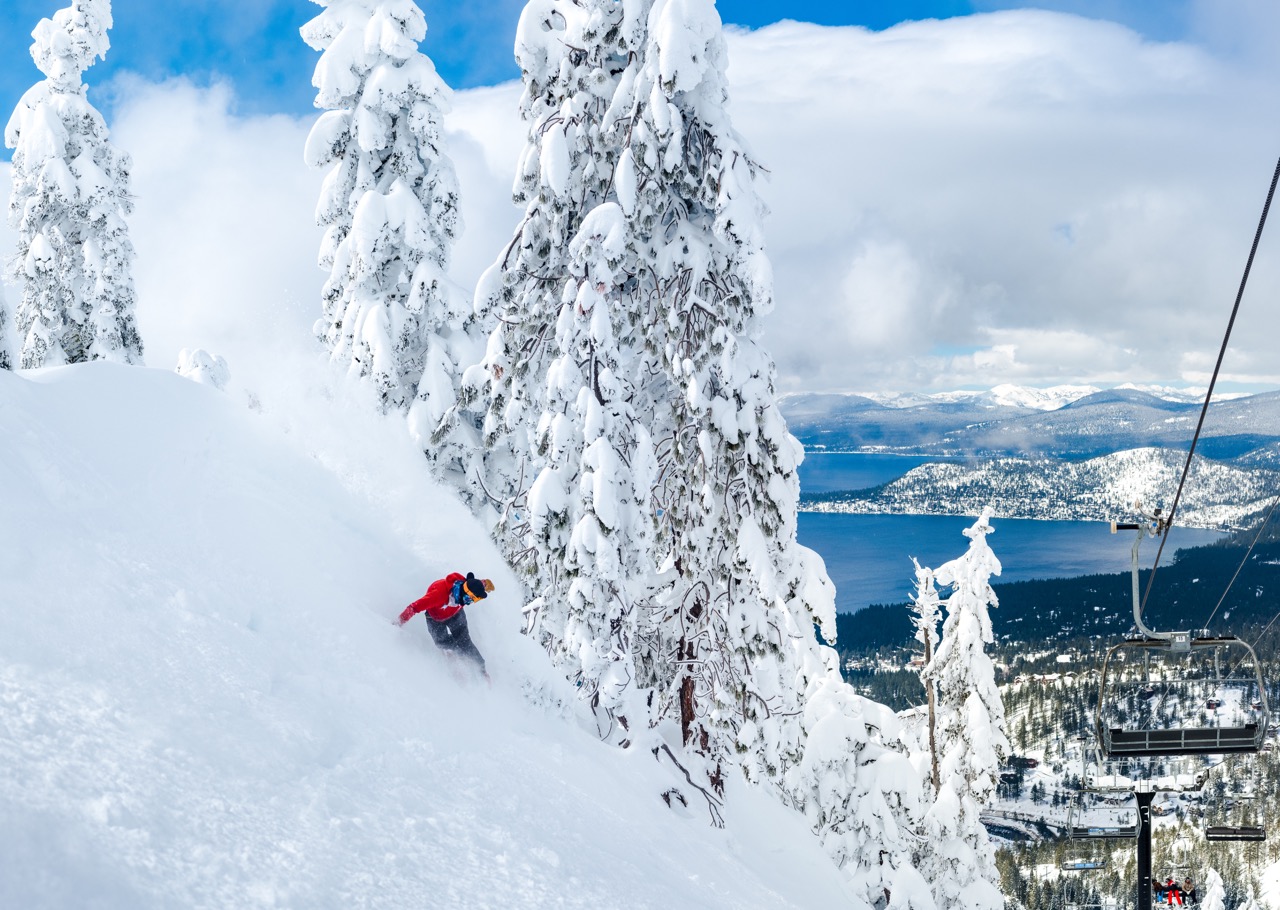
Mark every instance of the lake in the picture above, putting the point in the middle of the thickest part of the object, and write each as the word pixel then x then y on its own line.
pixel 869 556
pixel 824 472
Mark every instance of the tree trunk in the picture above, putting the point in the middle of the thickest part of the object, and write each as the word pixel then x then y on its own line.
pixel 933 744
pixel 686 709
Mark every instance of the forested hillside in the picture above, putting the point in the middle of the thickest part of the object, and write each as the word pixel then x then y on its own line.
pixel 1218 495
pixel 1083 612
pixel 1050 638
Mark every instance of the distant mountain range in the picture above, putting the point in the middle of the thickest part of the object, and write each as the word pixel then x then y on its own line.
pixel 1025 397
pixel 1064 422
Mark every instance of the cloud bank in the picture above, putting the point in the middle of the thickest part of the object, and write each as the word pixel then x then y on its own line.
pixel 1015 197
pixel 1021 196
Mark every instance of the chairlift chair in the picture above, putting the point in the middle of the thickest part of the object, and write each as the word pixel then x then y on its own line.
pixel 1238 831
pixel 1083 865
pixel 1253 833
pixel 1107 903
pixel 1190 676
pixel 1091 819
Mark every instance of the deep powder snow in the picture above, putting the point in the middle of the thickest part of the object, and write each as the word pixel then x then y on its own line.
pixel 204 701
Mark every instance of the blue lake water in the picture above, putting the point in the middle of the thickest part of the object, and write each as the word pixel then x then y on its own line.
pixel 825 472
pixel 869 556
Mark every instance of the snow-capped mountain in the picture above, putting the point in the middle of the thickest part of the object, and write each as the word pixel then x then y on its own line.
pixel 1012 421
pixel 205 701
pixel 1216 495
pixel 1040 399
pixel 1005 395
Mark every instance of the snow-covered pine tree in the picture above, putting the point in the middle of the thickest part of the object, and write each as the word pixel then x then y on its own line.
pixel 389 204
pixel 721 652
pixel 928 611
pixel 860 793
pixel 590 506
pixel 959 860
pixel 69 201
pixel 731 651
pixel 627 245
pixel 1251 901
pixel 571 55
pixel 1213 895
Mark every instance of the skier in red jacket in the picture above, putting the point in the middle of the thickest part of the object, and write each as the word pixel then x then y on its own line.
pixel 446 620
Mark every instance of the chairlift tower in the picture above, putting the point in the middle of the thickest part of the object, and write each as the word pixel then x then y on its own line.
pixel 1136 823
pixel 1160 736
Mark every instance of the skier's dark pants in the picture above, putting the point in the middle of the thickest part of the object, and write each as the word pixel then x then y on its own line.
pixel 452 636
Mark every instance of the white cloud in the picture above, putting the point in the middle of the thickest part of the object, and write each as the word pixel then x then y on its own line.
pixel 1034 175
pixel 222 225
pixel 485 140
pixel 224 222
pixel 1245 30
pixel 1054 197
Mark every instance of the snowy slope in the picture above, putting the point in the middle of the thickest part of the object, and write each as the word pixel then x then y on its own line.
pixel 204 702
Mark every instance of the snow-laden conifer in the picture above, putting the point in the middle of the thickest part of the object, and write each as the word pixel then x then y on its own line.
pixel 959 859
pixel 730 648
pixel 69 201
pixel 590 506
pixel 861 794
pixel 389 204
pixel 1251 901
pixel 627 311
pixel 1213 895
pixel 928 611
pixel 571 55
pixel 568 459
pixel 722 654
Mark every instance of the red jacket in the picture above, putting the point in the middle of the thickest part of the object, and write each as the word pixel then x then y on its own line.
pixel 436 602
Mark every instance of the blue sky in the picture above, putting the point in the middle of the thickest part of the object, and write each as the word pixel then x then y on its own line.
pixel 1037 196
pixel 255 43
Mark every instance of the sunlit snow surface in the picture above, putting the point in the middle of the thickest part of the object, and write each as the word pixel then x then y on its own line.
pixel 204 702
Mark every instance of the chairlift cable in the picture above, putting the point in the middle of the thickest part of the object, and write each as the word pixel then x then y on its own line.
pixel 1261 527
pixel 1254 645
pixel 1186 469
pixel 1265 628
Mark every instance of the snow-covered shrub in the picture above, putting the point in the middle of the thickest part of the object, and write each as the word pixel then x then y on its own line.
pixel 200 366
pixel 6 361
